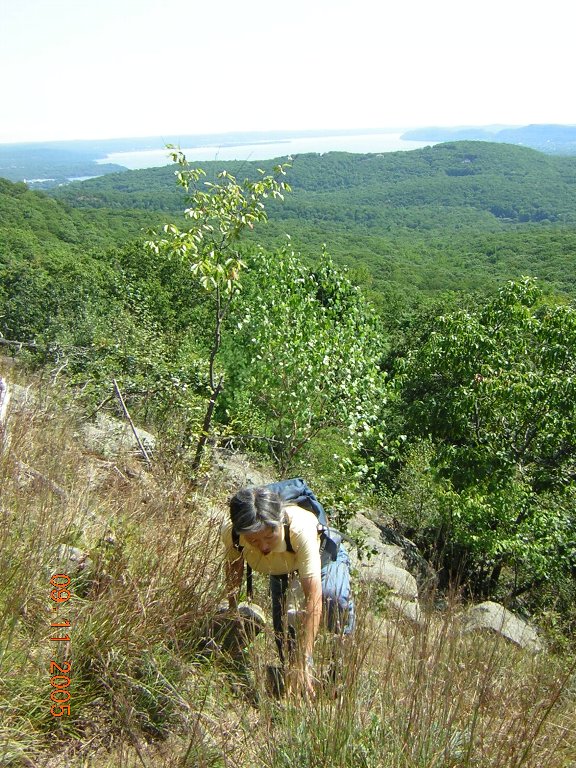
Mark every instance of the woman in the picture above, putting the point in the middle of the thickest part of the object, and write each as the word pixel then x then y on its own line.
pixel 279 538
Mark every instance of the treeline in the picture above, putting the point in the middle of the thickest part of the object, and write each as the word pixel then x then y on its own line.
pixel 507 182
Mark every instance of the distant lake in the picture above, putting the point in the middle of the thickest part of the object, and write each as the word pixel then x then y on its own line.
pixel 361 143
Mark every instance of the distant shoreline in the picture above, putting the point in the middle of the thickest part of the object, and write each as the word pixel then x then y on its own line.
pixel 267 149
pixel 49 164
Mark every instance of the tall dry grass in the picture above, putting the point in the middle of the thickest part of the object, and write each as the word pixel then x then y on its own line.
pixel 143 695
pixel 427 697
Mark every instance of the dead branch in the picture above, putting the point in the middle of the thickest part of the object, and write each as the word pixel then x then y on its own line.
pixel 129 419
pixel 35 475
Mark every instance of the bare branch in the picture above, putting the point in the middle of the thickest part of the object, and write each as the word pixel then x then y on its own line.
pixel 128 417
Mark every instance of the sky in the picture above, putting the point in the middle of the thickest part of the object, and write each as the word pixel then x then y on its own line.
pixel 95 69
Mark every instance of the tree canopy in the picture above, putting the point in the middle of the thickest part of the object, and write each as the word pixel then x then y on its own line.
pixel 492 391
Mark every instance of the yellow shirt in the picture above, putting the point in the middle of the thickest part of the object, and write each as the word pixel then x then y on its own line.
pixel 304 539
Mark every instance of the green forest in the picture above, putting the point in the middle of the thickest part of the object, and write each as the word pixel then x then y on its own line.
pixel 455 217
pixel 397 325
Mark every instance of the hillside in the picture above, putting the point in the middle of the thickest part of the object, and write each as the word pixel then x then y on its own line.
pixel 457 216
pixel 510 183
pixel 37 220
pixel 136 684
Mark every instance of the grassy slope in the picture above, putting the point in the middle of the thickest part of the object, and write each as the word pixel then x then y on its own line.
pixel 140 695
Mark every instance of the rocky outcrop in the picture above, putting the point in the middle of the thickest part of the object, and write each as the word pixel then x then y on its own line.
pixel 236 470
pixel 110 437
pixel 380 569
pixel 493 617
pixel 420 568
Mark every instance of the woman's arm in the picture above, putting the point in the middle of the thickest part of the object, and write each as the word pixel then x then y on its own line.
pixel 312 588
pixel 234 571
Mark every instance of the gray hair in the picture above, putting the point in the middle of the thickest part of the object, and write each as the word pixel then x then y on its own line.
pixel 251 509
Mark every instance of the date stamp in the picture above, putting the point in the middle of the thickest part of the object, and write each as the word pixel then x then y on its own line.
pixel 60 670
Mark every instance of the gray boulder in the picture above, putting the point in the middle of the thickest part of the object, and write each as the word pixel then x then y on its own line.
pixel 420 568
pixel 370 537
pixel 110 437
pixel 235 470
pixel 408 610
pixel 231 632
pixel 493 617
pixel 77 565
pixel 73 560
pixel 380 561
pixel 380 569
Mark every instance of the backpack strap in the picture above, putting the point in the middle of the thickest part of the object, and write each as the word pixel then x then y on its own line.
pixel 249 586
pixel 289 547
pixel 330 540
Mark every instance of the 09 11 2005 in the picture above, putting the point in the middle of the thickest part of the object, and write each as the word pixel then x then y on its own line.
pixel 60 676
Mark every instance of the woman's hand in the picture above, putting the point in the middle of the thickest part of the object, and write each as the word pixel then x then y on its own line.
pixel 308 682
pixel 300 680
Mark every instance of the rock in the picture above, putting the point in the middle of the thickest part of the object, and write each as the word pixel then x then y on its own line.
pixel 371 540
pixel 493 617
pixel 238 472
pixel 380 569
pixel 386 563
pixel 231 632
pixel 73 560
pixel 420 568
pixel 385 544
pixel 75 564
pixel 110 437
pixel 406 609
pixel 22 398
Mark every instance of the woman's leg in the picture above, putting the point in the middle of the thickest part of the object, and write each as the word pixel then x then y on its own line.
pixel 282 633
pixel 337 594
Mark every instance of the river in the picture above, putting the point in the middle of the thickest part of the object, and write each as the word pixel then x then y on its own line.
pixel 264 150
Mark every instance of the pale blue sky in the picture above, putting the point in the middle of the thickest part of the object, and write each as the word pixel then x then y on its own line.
pixel 110 68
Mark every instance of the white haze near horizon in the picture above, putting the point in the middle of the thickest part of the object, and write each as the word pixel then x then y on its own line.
pixel 267 150
pixel 128 68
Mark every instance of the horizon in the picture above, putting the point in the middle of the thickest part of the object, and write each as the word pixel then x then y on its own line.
pixel 279 132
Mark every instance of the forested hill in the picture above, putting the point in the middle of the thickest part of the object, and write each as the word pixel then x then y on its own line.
pixel 456 216
pixel 507 182
pixel 552 139
pixel 33 223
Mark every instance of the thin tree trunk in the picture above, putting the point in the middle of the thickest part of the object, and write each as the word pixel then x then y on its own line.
pixel 203 439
